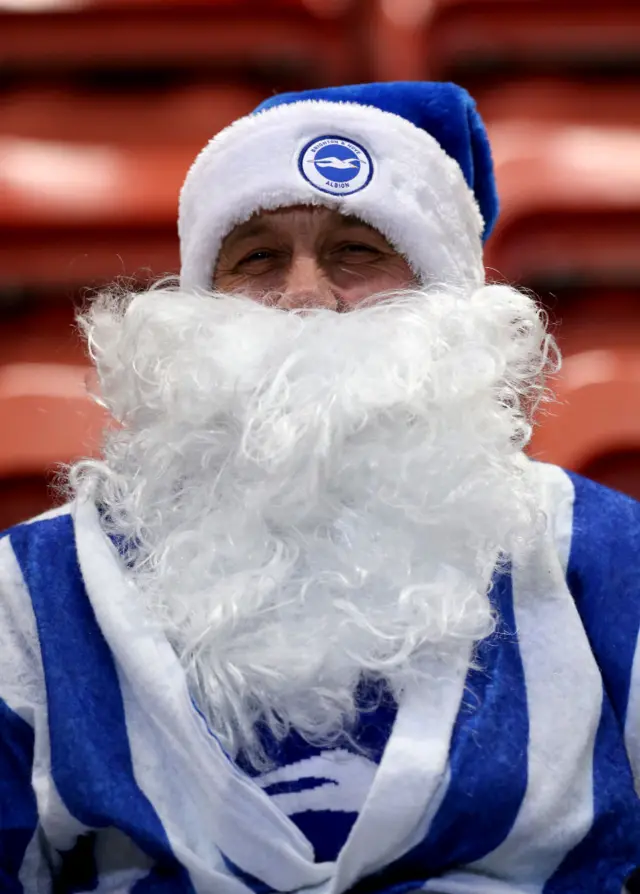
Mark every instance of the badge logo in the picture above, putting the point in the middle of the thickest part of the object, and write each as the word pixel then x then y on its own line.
pixel 336 165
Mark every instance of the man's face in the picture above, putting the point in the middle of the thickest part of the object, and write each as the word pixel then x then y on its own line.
pixel 309 257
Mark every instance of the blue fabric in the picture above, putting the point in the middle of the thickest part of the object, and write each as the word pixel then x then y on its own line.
pixel 18 811
pixel 604 578
pixel 445 111
pixel 83 691
pixel 377 714
pixel 609 851
pixel 460 835
pixel 328 830
pixel 488 763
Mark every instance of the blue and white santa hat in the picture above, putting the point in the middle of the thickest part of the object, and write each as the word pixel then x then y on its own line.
pixel 410 159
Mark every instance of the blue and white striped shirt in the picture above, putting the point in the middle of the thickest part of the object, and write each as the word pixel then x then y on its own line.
pixel 513 778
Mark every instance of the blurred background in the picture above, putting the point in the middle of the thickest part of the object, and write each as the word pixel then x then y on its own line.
pixel 104 103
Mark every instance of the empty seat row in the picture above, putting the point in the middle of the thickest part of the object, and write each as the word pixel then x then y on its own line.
pixel 324 41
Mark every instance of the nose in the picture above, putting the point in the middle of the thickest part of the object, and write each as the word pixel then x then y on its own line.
pixel 307 285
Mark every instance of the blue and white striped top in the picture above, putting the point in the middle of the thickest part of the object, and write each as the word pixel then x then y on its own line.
pixel 517 778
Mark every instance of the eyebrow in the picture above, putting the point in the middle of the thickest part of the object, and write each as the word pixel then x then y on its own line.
pixel 250 228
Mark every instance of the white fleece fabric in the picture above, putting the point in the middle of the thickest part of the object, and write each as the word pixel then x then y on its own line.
pixel 416 197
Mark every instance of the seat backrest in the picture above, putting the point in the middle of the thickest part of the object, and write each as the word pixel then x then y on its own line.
pixel 593 427
pixel 475 41
pixel 47 420
pixel 476 38
pixel 47 417
pixel 71 112
pixel 23 497
pixel 570 197
pixel 560 101
pixel 77 215
pixel 41 328
pixel 314 41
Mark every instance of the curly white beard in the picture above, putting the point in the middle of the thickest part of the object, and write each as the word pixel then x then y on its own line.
pixel 313 497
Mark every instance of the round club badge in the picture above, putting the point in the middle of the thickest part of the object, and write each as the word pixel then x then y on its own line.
pixel 336 165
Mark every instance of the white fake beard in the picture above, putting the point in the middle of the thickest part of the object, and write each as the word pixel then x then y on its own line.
pixel 314 497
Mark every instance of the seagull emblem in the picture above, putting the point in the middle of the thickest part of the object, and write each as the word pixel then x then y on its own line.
pixel 341 164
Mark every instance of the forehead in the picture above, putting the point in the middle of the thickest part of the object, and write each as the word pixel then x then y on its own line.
pixel 296 218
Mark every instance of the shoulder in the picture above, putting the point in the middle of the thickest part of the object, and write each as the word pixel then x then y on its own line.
pixel 51 524
pixel 603 569
pixel 33 555
pixel 597 533
pixel 594 521
pixel 608 515
pixel 38 540
pixel 37 535
pixel 604 561
pixel 25 566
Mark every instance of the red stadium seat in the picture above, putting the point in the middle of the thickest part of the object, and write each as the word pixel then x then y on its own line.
pixel 570 226
pixel 309 39
pixel 44 333
pixel 475 41
pixel 174 115
pixel 555 100
pixel 570 200
pixel 594 427
pixel 586 319
pixel 80 215
pixel 46 419
pixel 46 416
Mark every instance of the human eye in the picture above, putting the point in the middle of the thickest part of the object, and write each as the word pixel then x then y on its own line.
pixel 358 247
pixel 256 260
pixel 356 251
pixel 260 254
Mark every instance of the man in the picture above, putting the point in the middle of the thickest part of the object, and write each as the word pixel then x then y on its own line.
pixel 314 622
